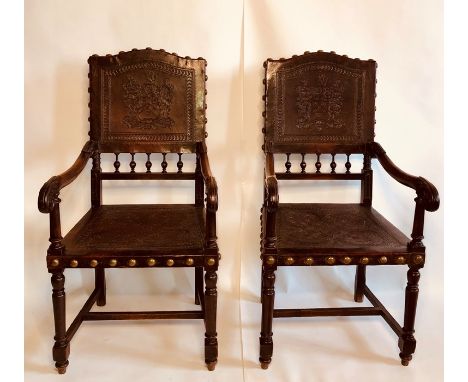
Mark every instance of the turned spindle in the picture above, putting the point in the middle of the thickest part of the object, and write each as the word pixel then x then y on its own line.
pixel 180 164
pixel 116 163
pixel 132 163
pixel 318 164
pixel 347 164
pixel 303 164
pixel 288 164
pixel 164 164
pixel 148 163
pixel 333 164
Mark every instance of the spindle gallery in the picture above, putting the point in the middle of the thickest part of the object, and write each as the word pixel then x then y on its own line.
pixel 170 119
pixel 319 104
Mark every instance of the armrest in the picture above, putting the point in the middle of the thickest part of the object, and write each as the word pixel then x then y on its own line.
pixel 48 195
pixel 271 183
pixel 210 181
pixel 424 189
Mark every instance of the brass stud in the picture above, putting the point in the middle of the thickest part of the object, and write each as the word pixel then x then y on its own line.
pixel 400 260
pixel 364 260
pixel 418 259
pixel 383 259
pixel 211 261
pixel 112 262
pixel 289 261
pixel 189 261
pixel 330 260
pixel 270 260
pixel 309 261
pixel 73 263
pixel 131 262
pixel 346 260
pixel 170 262
pixel 93 263
pixel 55 262
pixel 151 262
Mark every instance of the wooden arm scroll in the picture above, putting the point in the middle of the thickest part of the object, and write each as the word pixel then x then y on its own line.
pixel 424 189
pixel 271 184
pixel 209 179
pixel 49 193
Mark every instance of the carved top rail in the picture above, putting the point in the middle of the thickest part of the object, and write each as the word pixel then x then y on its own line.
pixel 147 101
pixel 319 102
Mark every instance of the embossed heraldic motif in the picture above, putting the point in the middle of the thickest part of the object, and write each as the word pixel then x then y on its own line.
pixel 148 102
pixel 319 103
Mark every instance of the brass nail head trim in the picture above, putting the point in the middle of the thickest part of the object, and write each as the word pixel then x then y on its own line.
pixel 346 260
pixel 131 262
pixel 211 261
pixel 309 261
pixel 330 260
pixel 400 260
pixel 418 259
pixel 383 260
pixel 189 261
pixel 55 262
pixel 364 260
pixel 112 262
pixel 170 262
pixel 289 261
pixel 73 263
pixel 151 262
pixel 93 263
pixel 270 260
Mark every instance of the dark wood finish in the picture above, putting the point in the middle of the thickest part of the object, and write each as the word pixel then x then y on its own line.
pixel 359 283
pixel 325 312
pixel 158 106
pixel 164 315
pixel 407 342
pixel 61 349
pixel 322 103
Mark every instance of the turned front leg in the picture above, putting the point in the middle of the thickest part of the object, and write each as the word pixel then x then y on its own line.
pixel 268 300
pixel 211 341
pixel 61 349
pixel 407 342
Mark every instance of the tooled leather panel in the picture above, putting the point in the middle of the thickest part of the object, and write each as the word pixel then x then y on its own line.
pixel 148 101
pixel 138 227
pixel 319 103
pixel 334 226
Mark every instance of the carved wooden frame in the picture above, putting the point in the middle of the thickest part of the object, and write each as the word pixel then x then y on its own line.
pixel 204 261
pixel 413 254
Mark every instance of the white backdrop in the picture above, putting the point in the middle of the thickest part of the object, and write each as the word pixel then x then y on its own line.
pixel 404 37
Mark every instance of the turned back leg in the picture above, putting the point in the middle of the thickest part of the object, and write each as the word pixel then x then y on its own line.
pixel 198 284
pixel 100 283
pixel 359 283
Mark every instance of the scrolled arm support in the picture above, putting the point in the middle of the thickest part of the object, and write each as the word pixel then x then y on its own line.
pixel 424 189
pixel 271 184
pixel 209 179
pixel 49 193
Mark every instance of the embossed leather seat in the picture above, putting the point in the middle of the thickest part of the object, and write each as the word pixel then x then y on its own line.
pixel 142 101
pixel 319 104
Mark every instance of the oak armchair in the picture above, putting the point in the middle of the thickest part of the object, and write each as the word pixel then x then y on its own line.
pixel 142 101
pixel 323 103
